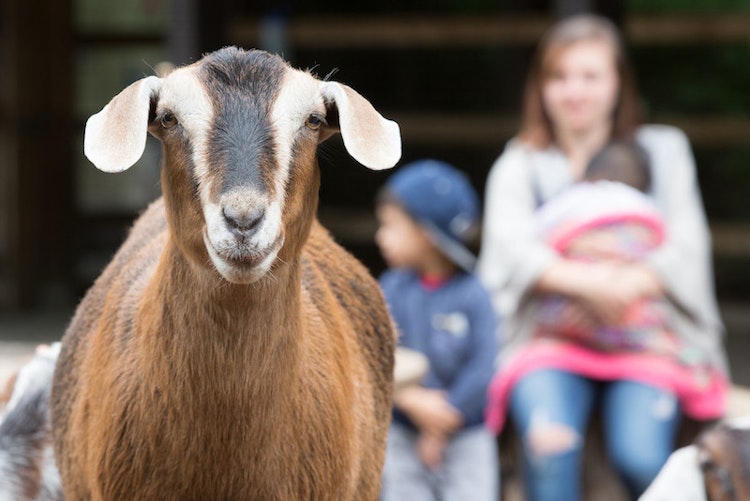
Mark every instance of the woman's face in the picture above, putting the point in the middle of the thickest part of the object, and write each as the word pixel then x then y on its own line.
pixel 582 87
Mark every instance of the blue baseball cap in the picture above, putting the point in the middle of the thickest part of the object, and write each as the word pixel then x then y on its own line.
pixel 441 200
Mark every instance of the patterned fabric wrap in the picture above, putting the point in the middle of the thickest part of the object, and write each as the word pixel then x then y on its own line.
pixel 644 326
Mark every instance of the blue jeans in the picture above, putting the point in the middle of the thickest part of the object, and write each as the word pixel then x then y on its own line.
pixel 551 409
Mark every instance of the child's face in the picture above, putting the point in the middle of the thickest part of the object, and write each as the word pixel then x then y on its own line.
pixel 402 242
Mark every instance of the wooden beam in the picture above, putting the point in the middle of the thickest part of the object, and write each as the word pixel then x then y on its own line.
pixel 461 129
pixel 711 130
pixel 405 32
pixel 731 239
pixel 381 32
pixel 678 29
pixel 465 129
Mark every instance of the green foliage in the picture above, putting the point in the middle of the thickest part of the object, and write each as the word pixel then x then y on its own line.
pixel 121 17
pixel 695 79
pixel 724 177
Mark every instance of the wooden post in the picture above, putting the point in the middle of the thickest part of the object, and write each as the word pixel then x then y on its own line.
pixel 36 230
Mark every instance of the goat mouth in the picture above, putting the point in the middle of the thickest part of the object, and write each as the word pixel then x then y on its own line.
pixel 246 258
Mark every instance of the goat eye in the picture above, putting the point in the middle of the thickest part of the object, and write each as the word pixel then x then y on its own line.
pixel 314 121
pixel 168 120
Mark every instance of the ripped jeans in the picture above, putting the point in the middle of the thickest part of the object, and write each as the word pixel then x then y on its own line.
pixel 551 408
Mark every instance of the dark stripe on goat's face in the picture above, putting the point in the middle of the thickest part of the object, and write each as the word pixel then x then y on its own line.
pixel 242 86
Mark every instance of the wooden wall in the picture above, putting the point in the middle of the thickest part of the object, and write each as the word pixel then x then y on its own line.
pixel 35 167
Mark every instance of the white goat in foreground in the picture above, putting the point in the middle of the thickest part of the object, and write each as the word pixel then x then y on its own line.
pixel 231 350
pixel 27 461
pixel 715 467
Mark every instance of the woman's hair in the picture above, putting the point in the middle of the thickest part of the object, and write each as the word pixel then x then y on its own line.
pixel 536 127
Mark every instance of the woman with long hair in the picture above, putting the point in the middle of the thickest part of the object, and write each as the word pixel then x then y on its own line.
pixel 580 95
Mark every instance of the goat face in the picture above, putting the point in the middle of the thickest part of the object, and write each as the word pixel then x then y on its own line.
pixel 226 139
pixel 239 133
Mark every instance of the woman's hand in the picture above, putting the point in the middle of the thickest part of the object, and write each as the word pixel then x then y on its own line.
pixel 604 290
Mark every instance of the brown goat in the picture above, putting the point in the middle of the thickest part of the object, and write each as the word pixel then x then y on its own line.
pixel 231 350
pixel 724 460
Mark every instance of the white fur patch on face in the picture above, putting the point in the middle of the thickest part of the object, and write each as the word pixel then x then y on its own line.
pixel 246 259
pixel 239 272
pixel 299 97
pixel 184 94
pixel 243 259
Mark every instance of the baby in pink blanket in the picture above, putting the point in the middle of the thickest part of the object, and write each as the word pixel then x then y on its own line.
pixel 608 216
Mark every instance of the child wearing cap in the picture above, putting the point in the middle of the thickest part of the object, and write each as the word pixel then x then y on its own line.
pixel 438 447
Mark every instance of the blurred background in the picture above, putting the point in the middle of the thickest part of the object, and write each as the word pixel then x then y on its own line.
pixel 449 71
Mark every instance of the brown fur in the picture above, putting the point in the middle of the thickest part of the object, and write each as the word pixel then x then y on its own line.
pixel 176 384
pixel 724 455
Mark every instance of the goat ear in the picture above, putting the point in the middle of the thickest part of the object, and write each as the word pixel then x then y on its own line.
pixel 115 137
pixel 372 140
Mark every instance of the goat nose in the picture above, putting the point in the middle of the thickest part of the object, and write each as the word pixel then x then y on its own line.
pixel 242 222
